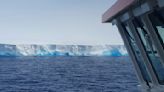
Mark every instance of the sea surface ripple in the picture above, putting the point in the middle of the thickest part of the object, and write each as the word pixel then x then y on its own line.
pixel 67 74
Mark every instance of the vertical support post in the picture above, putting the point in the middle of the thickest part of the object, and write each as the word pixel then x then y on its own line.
pixel 149 67
pixel 131 53
pixel 154 37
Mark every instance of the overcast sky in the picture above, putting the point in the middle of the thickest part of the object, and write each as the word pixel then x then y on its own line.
pixel 56 22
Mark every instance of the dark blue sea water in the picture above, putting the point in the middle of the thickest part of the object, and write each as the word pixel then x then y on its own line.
pixel 67 74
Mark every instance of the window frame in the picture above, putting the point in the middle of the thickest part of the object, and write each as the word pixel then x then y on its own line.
pixel 136 53
pixel 154 26
pixel 131 53
pixel 155 69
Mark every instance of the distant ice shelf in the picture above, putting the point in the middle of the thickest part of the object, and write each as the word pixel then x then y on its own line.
pixel 62 50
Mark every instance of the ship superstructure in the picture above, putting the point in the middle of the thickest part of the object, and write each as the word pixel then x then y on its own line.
pixel 141 25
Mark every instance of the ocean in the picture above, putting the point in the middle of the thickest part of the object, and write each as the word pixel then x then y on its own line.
pixel 67 74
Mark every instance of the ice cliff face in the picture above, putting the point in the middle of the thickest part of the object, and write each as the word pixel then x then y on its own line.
pixel 7 50
pixel 62 50
pixel 34 50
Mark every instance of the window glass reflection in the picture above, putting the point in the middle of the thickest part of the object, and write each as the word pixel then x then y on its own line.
pixel 157 19
pixel 136 50
pixel 150 49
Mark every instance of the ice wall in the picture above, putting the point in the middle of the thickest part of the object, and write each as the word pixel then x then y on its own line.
pixel 62 50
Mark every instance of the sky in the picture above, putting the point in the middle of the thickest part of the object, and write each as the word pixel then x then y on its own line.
pixel 70 22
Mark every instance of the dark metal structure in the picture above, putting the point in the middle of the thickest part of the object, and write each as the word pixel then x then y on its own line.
pixel 141 25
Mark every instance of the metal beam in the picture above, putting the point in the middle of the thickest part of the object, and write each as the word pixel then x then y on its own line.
pixel 131 53
pixel 154 37
pixel 149 67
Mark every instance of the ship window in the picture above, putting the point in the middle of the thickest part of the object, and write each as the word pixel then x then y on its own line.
pixel 137 53
pixel 157 19
pixel 150 49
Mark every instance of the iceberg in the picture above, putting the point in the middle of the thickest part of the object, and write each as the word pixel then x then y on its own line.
pixel 62 50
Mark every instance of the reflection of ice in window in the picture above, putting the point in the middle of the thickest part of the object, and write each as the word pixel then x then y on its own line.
pixel 137 53
pixel 150 49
